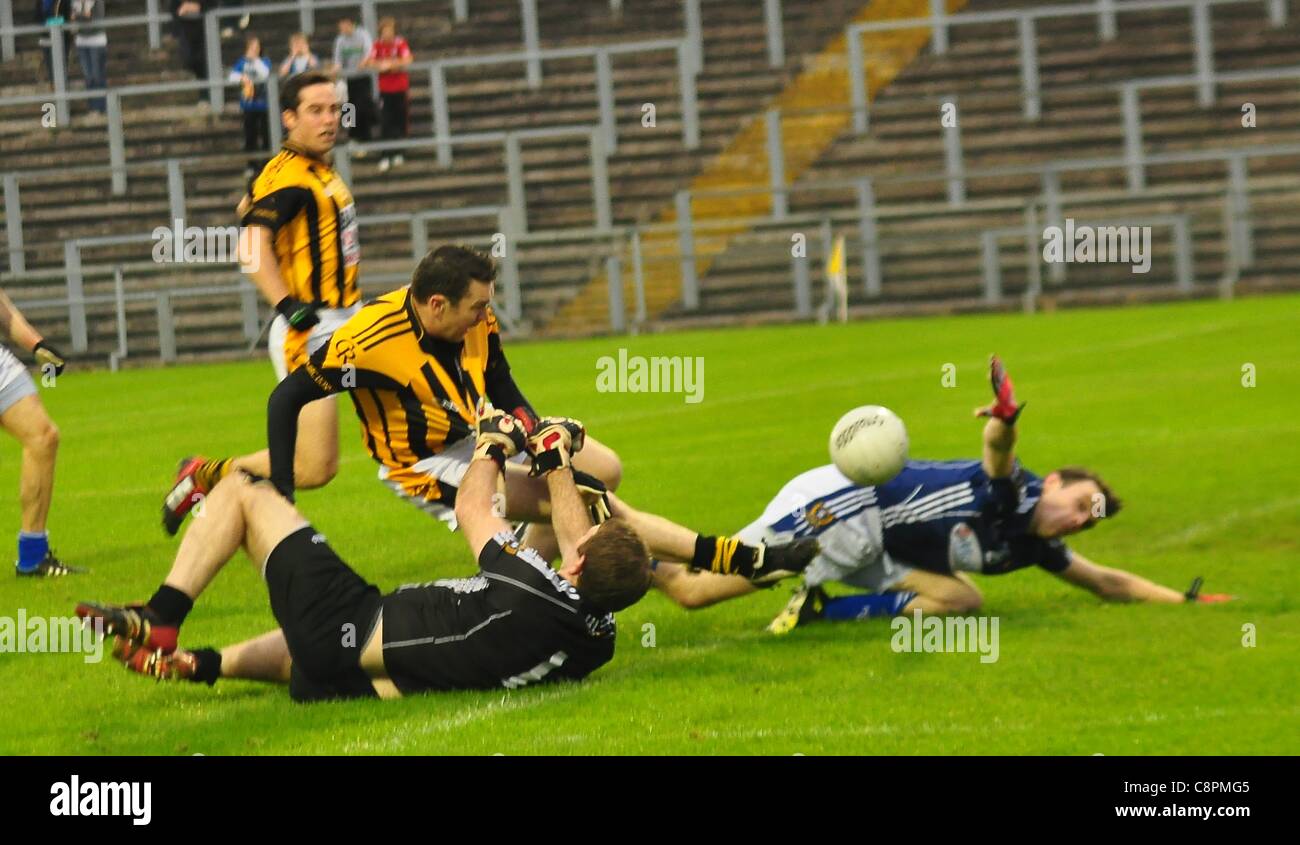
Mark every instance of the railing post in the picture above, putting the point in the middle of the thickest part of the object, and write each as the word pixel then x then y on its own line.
pixel 686 246
pixel 1052 209
pixel 802 280
pixel 828 247
pixel 154 25
pixel 694 34
pixel 1242 229
pixel 776 165
pixel 775 32
pixel 343 163
pixel 690 101
pixel 638 278
pixel 515 182
pixel 857 80
pixel 604 211
pixel 1183 272
pixel 276 133
pixel 370 17
pixel 1203 38
pixel 14 225
pixel 532 41
pixel 1033 105
pixel 419 238
pixel 617 309
pixel 307 17
pixel 510 278
pixel 868 233
pixel 441 119
pixel 459 11
pixel 605 97
pixel 175 190
pixel 1277 12
pixel 939 20
pixel 1132 114
pixel 119 304
pixel 992 268
pixel 1107 26
pixel 166 328
pixel 216 87
pixel 953 157
pixel 76 295
pixel 1033 257
pixel 116 143
pixel 59 71
pixel 248 307
pixel 7 39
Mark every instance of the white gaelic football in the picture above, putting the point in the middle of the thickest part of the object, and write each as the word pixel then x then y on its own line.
pixel 869 445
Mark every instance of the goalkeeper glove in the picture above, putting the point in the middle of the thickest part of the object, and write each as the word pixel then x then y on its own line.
pixel 300 315
pixel 1194 594
pixel 47 355
pixel 1004 406
pixel 595 495
pixel 554 441
pixel 500 436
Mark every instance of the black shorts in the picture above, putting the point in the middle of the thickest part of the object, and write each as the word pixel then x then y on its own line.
pixel 327 613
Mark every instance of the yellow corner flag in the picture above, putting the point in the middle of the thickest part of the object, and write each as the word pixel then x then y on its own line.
pixel 837 279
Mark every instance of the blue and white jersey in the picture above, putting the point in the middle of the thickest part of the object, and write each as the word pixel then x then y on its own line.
pixel 941 516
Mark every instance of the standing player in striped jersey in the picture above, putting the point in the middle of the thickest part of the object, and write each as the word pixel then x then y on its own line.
pixel 300 227
pixel 911 541
pixel 422 365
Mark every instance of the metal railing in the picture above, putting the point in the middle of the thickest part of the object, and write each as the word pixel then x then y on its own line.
pixel 1106 12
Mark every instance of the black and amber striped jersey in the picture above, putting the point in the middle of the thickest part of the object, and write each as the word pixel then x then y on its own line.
pixel 414 394
pixel 313 219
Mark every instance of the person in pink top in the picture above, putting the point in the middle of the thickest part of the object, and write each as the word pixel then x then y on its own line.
pixel 390 55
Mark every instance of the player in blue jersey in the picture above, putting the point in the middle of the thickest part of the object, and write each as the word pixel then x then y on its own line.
pixel 911 542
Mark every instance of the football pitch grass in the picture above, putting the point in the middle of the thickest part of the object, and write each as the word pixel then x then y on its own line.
pixel 1152 397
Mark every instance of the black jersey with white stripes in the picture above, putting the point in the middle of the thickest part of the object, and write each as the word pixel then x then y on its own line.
pixel 514 623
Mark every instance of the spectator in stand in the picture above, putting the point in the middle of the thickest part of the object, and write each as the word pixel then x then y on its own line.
pixel 187 20
pixel 390 55
pixel 50 13
pixel 252 71
pixel 300 59
pixel 92 49
pixel 351 48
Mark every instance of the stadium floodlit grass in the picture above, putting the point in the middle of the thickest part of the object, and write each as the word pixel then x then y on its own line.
pixel 1153 397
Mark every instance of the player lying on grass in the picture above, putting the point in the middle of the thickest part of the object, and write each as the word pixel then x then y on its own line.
pixel 911 541
pixel 515 622
pixel 420 364
pixel 23 415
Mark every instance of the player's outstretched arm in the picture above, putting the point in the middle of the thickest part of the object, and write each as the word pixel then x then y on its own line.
pixel 1117 585
pixel 1000 430
pixel 500 437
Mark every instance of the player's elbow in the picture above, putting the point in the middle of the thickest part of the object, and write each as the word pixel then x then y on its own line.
pixel 1112 586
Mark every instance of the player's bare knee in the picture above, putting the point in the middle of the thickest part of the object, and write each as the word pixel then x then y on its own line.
pixel 968 600
pixel 603 462
pixel 316 473
pixel 45 440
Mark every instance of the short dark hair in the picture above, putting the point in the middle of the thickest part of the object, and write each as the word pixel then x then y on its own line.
pixel 1070 475
pixel 448 270
pixel 616 573
pixel 292 89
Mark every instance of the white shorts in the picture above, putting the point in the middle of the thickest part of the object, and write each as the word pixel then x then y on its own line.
pixel 852 547
pixel 431 484
pixel 15 382
pixel 289 352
